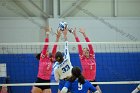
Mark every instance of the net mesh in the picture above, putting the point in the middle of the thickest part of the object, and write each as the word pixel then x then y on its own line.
pixel 116 61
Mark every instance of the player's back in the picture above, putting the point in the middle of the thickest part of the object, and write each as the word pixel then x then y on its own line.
pixel 64 69
pixel 76 87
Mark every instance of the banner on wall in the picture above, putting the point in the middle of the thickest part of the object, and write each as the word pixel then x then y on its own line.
pixel 3 72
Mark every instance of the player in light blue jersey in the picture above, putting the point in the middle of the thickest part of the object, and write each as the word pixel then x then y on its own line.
pixel 77 83
pixel 63 70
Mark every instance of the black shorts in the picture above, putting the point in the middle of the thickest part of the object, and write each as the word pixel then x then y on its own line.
pixel 94 84
pixel 0 88
pixel 39 80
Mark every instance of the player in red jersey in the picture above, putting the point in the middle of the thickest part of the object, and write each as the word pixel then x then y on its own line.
pixel 45 65
pixel 87 59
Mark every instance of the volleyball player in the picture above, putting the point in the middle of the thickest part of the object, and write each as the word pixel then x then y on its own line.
pixel 63 70
pixel 77 84
pixel 87 59
pixel 45 65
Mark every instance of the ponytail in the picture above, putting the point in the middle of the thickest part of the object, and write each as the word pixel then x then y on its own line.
pixel 72 78
pixel 76 73
pixel 81 79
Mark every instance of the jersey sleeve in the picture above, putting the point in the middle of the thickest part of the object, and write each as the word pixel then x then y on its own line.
pixel 67 84
pixel 54 50
pixel 79 46
pixel 91 50
pixel 66 51
pixel 91 87
pixel 45 47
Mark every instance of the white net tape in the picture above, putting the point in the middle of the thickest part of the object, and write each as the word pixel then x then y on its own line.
pixel 31 84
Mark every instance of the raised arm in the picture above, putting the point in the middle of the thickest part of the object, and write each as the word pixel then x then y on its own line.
pixel 45 47
pixel 65 33
pixel 66 50
pixel 77 40
pixel 58 34
pixel 87 40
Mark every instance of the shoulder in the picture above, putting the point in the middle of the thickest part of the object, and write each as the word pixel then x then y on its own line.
pixel 82 56
pixel 87 82
pixel 65 60
pixel 55 64
pixel 67 84
pixel 92 55
pixel 43 56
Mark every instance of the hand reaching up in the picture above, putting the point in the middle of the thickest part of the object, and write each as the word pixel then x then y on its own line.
pixel 47 29
pixel 82 30
pixel 65 33
pixel 58 34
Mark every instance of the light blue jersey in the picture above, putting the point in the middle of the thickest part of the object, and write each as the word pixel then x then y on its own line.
pixel 63 70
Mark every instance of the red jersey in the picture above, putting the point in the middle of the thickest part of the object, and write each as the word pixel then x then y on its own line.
pixel 45 65
pixel 88 64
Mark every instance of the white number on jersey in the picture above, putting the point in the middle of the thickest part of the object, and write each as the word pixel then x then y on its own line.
pixel 80 86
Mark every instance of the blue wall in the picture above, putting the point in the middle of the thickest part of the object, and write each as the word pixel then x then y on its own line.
pixel 22 68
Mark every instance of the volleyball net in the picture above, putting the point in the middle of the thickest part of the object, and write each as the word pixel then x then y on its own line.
pixel 118 65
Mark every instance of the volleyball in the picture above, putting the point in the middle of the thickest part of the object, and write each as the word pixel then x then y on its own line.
pixel 62 25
